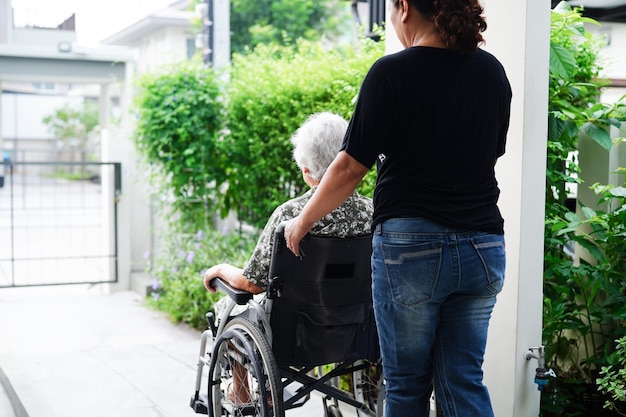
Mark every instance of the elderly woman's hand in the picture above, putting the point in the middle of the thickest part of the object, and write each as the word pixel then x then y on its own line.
pixel 209 276
pixel 232 275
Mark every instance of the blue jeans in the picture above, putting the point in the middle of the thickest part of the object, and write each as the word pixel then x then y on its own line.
pixel 434 290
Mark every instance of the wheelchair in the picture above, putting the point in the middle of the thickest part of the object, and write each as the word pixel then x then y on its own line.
pixel 313 330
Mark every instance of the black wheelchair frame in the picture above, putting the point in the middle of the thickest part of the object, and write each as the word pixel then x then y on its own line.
pixel 314 331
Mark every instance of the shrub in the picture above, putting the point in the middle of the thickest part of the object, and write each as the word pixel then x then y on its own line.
pixel 178 273
pixel 284 21
pixel 272 91
pixel 194 145
pixel 179 119
pixel 612 381
pixel 583 298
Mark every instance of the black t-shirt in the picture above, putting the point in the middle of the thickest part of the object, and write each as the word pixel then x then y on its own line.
pixel 435 121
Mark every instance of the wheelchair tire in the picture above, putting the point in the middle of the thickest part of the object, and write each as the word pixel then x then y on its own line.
pixel 369 389
pixel 243 346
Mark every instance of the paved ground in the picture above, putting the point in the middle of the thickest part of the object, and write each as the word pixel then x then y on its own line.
pixel 80 352
pixel 6 404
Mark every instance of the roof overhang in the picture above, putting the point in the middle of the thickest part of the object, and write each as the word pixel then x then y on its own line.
pixel 86 66
pixel 149 25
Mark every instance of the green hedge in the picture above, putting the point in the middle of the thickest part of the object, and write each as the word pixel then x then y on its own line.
pixel 272 91
pixel 221 141
pixel 178 288
pixel 179 119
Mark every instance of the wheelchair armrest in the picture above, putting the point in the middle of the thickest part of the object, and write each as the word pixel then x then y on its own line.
pixel 241 297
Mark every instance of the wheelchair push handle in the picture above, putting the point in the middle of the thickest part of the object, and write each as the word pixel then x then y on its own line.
pixel 280 243
pixel 239 296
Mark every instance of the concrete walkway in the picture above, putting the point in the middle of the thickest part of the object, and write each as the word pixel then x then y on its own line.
pixel 80 352
pixel 7 401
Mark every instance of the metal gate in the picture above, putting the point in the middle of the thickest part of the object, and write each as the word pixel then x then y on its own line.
pixel 58 223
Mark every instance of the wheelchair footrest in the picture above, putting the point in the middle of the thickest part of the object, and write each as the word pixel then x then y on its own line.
pixel 200 404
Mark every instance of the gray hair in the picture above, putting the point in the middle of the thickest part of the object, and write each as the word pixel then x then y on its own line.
pixel 317 142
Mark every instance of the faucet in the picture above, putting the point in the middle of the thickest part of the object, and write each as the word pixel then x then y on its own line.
pixel 541 373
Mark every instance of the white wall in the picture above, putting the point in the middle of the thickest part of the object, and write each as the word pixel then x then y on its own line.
pixel 42 37
pixel 23 114
pixel 612 56
pixel 153 51
pixel 163 47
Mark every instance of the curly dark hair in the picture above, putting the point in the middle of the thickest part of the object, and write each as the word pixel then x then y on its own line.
pixel 459 22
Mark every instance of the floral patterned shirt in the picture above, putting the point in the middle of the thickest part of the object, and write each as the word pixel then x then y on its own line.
pixel 352 218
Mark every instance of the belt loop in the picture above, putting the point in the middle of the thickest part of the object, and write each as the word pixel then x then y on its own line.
pixel 378 229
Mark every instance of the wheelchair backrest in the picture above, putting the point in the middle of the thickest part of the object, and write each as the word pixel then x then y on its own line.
pixel 322 302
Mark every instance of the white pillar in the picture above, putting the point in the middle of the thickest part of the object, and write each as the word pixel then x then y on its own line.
pixel 518 35
pixel 107 179
pixel 135 228
pixel 116 147
pixel 221 33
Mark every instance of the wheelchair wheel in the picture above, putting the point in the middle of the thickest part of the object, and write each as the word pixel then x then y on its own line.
pixel 243 353
pixel 369 389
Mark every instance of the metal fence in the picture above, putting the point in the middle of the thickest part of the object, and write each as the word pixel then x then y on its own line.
pixel 58 223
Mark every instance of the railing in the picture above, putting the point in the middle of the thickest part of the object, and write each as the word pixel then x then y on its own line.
pixel 58 224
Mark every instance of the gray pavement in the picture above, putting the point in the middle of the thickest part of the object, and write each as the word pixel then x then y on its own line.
pixel 77 351
pixel 7 401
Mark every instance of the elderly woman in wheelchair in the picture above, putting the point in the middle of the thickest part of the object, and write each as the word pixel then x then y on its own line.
pixel 311 324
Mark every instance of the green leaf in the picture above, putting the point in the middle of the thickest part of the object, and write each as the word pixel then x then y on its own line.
pixel 598 134
pixel 588 212
pixel 592 248
pixel 558 226
pixel 618 192
pixel 555 127
pixel 614 122
pixel 562 61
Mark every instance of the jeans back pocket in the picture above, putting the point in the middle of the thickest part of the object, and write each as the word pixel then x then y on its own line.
pixel 412 271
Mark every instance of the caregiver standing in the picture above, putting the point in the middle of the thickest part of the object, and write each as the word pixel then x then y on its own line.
pixel 434 119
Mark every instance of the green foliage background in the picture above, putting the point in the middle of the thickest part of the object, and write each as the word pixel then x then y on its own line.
pixel 72 126
pixel 285 21
pixel 214 143
pixel 177 286
pixel 272 91
pixel 583 299
pixel 179 121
